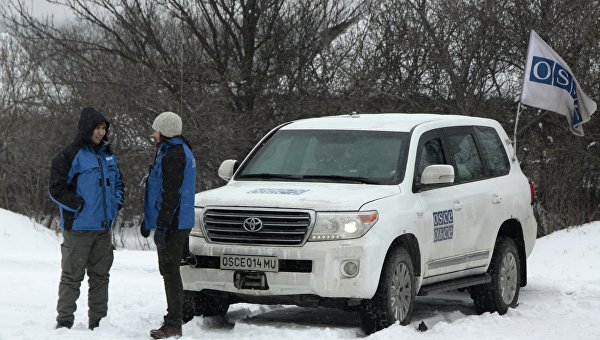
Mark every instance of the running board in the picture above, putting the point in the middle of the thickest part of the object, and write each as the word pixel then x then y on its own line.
pixel 455 284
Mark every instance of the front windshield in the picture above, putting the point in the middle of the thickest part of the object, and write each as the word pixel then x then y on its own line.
pixel 372 157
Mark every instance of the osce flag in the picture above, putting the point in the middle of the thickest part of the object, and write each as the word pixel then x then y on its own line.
pixel 549 84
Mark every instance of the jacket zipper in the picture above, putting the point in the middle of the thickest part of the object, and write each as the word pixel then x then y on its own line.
pixel 104 223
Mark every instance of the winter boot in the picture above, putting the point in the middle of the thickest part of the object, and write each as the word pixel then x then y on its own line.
pixel 93 324
pixel 167 330
pixel 64 324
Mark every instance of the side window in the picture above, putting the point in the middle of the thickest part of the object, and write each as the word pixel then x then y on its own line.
pixel 495 154
pixel 430 152
pixel 466 157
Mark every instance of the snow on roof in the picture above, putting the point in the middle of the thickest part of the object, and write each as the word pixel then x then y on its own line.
pixel 404 122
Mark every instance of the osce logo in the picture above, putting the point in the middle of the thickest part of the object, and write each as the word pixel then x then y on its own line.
pixel 443 225
pixel 549 72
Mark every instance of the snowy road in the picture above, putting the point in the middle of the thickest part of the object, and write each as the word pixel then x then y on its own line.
pixel 561 301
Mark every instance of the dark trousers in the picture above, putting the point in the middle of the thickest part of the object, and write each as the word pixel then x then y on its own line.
pixel 84 250
pixel 168 264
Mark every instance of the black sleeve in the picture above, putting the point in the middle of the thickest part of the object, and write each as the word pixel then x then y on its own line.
pixel 173 166
pixel 60 191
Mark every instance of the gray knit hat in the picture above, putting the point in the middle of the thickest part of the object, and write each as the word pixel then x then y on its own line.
pixel 168 124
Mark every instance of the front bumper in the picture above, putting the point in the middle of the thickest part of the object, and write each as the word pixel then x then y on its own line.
pixel 324 280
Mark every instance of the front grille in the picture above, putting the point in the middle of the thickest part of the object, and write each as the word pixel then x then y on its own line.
pixel 279 227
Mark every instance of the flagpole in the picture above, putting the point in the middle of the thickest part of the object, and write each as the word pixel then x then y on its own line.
pixel 515 133
pixel 531 35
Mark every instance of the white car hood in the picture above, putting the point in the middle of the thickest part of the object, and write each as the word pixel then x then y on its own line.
pixel 305 195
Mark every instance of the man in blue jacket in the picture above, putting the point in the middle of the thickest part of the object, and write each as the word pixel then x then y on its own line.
pixel 85 182
pixel 169 210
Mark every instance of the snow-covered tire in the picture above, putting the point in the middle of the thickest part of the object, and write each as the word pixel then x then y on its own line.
pixel 394 299
pixel 505 271
pixel 204 303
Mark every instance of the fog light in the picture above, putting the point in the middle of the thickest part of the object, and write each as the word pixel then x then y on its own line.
pixel 350 268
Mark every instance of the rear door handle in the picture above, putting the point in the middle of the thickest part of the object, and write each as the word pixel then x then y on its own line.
pixel 458 205
pixel 496 199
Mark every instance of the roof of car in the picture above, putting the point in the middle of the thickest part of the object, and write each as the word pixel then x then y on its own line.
pixel 380 121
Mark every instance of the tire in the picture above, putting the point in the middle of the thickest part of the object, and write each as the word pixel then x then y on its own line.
pixel 394 299
pixel 204 303
pixel 505 271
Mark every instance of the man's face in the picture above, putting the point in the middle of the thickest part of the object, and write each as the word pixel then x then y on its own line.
pixel 99 133
pixel 156 136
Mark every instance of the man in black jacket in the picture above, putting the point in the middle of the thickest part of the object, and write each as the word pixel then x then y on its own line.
pixel 85 182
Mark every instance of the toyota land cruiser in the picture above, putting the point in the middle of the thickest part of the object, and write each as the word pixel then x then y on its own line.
pixel 364 212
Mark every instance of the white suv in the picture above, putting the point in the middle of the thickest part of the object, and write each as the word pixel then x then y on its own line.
pixel 364 212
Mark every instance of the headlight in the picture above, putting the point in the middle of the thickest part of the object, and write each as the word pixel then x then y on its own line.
pixel 343 225
pixel 197 229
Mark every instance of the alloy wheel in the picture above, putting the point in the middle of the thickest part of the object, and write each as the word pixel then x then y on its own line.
pixel 401 291
pixel 508 278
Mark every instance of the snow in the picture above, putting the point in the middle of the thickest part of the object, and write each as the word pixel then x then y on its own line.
pixel 561 300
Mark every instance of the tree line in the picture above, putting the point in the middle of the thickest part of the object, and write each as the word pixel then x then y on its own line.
pixel 234 69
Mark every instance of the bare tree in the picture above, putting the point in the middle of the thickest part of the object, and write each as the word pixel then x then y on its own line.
pixel 235 68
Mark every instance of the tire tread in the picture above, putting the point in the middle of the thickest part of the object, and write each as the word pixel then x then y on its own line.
pixel 375 314
pixel 487 297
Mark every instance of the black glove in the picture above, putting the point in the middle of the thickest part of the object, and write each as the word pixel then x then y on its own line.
pixel 160 237
pixel 145 232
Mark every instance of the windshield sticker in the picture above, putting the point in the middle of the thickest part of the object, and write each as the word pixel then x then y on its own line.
pixel 443 225
pixel 278 191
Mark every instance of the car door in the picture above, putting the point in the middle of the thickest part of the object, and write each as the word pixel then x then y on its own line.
pixel 503 191
pixel 443 222
pixel 474 205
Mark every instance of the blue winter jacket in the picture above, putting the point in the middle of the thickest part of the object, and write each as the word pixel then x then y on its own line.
pixel 85 180
pixel 171 186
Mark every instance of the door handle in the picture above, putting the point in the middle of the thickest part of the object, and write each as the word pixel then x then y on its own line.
pixel 496 199
pixel 458 205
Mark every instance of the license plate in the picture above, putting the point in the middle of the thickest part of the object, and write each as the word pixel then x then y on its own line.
pixel 249 262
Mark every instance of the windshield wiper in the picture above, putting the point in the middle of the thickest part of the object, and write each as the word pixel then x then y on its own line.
pixel 270 176
pixel 339 178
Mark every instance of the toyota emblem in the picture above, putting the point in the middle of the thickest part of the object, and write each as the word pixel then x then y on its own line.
pixel 253 224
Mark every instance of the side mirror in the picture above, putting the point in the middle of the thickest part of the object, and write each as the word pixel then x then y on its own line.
pixel 227 169
pixel 438 174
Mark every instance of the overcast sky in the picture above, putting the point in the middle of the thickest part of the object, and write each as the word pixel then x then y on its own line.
pixel 42 8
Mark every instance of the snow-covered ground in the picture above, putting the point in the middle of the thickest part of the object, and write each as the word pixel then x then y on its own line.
pixel 561 301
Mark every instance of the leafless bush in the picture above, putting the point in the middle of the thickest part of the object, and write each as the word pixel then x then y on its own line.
pixel 235 69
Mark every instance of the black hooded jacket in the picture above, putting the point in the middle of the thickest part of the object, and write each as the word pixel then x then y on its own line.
pixel 85 180
pixel 89 119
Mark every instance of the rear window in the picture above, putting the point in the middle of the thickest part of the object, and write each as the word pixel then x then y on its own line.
pixel 493 150
pixel 464 152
